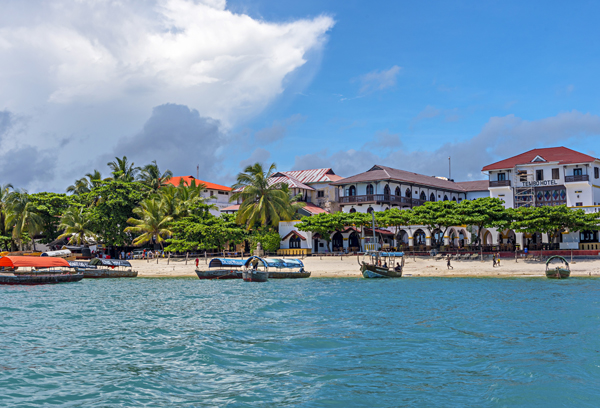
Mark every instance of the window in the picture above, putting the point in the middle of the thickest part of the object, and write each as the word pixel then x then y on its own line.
pixel 320 193
pixel 423 196
pixel 294 242
pixel 370 189
pixel 432 197
pixel 555 174
pixel 578 204
pixel 445 198
pixel 501 176
pixel 539 175
pixel 386 190
pixel 407 192
pixel 596 172
pixel 351 191
pixel 578 172
pixel 352 210
pixel 370 210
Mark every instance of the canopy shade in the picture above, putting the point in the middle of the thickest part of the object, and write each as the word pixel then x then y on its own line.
pixel 219 262
pixel 81 264
pixel 109 262
pixel 62 252
pixel 277 263
pixel 32 262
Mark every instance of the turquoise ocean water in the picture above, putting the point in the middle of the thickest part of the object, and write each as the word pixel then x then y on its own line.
pixel 309 343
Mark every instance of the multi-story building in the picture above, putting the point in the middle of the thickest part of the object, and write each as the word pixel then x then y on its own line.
pixel 217 194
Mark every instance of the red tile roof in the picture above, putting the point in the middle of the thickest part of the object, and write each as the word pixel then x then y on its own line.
pixel 313 175
pixel 313 209
pixel 234 207
pixel 289 180
pixel 559 155
pixel 296 233
pixel 187 180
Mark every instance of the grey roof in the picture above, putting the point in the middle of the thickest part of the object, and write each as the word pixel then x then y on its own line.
pixel 477 185
pixel 379 172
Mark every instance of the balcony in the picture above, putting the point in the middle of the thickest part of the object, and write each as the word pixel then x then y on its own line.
pixel 381 198
pixel 500 183
pixel 575 179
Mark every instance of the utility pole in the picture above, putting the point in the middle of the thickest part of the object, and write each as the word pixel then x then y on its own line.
pixel 449 169
pixel 197 172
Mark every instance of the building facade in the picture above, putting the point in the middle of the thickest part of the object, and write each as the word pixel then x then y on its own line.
pixel 215 194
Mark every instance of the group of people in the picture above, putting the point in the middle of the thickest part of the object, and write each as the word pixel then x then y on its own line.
pixel 146 254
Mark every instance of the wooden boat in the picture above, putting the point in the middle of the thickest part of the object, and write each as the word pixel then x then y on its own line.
pixel 285 268
pixel 252 275
pixel 99 268
pixel 222 268
pixel 38 274
pixel 561 271
pixel 373 267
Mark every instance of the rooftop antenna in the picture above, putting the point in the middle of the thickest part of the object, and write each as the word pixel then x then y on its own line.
pixel 449 169
pixel 198 172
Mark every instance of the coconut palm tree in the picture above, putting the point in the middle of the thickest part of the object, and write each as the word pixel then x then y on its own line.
pixel 151 176
pixel 122 170
pixel 152 222
pixel 262 201
pixel 22 217
pixel 86 184
pixel 5 193
pixel 77 225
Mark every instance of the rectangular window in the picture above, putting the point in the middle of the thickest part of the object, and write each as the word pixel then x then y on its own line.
pixel 320 193
pixel 596 172
pixel 579 204
pixel 539 175
pixel 578 172
pixel 501 176
pixel 555 174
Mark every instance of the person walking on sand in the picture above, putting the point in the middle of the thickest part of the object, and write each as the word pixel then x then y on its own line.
pixel 494 260
pixel 197 260
pixel 448 262
pixel 498 259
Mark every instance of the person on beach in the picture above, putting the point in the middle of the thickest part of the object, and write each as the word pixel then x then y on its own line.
pixel 494 260
pixel 498 259
pixel 197 260
pixel 398 268
pixel 448 262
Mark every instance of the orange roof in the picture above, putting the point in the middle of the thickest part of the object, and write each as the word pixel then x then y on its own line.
pixel 314 209
pixel 32 261
pixel 234 207
pixel 187 180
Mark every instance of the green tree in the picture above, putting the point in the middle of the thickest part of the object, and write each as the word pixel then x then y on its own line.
pixel 437 215
pixel 77 224
pixel 483 213
pixel 22 217
pixel 111 205
pixel 5 194
pixel 152 224
pixel 122 170
pixel 263 202
pixel 151 176
pixel 396 218
pixel 50 207
pixel 86 184
pixel 268 237
pixel 324 224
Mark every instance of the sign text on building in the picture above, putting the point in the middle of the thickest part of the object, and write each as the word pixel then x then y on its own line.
pixel 539 183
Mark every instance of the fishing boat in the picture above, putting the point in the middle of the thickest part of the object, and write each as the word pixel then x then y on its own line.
pixel 106 268
pixel 560 271
pixel 222 268
pixel 382 264
pixel 286 268
pixel 252 273
pixel 28 270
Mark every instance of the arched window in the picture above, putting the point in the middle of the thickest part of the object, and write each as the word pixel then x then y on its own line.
pixel 386 190
pixel 445 198
pixel 370 210
pixel 432 197
pixel 398 193
pixel 352 210
pixel 407 193
pixel 423 196
pixel 352 191
pixel 453 198
pixel 370 189
pixel 294 242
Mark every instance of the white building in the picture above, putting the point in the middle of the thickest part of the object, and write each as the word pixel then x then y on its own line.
pixel 220 194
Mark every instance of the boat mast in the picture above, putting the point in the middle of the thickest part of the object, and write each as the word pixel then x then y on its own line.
pixel 374 237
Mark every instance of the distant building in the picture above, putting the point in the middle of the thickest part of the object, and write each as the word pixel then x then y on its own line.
pixel 219 193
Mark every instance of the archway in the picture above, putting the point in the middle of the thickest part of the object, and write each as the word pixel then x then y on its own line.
pixel 453 198
pixel 398 192
pixel 386 190
pixel 354 241
pixel 437 238
pixel 432 197
pixel 419 237
pixel 370 210
pixel 352 210
pixel 445 197
pixel 295 242
pixel 408 193
pixel 402 238
pixel 337 241
pixel 370 189
pixel 352 191
pixel 423 196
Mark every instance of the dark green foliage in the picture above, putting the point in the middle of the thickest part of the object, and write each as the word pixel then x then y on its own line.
pixel 51 206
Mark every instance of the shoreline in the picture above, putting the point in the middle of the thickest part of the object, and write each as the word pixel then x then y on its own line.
pixel 335 267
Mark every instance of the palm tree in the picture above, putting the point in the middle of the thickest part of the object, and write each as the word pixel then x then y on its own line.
pixel 22 217
pixel 122 170
pixel 152 222
pixel 77 225
pixel 151 176
pixel 262 201
pixel 5 194
pixel 86 184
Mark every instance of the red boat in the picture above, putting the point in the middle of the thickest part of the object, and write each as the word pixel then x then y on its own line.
pixel 42 271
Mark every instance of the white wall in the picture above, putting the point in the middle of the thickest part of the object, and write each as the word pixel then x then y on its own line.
pixel 585 197
pixel 505 194
pixel 285 227
pixel 472 195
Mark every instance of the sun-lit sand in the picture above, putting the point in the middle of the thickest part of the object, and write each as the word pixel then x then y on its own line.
pixel 347 267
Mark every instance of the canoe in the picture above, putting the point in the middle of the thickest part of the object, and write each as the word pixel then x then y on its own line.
pixel 558 273
pixel 219 274
pixel 373 271
pixel 39 278
pixel 107 273
pixel 288 275
pixel 255 276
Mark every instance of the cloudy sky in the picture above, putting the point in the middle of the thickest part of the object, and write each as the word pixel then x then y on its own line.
pixel 342 84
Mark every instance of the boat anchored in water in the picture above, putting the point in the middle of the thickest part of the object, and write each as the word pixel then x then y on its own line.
pixel 382 264
pixel 29 270
pixel 99 268
pixel 560 271
pixel 222 268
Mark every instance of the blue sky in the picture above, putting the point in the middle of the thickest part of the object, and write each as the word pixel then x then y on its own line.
pixel 341 84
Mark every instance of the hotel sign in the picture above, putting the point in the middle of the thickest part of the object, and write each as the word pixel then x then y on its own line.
pixel 539 183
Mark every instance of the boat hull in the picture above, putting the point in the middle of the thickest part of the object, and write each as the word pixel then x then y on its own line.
pixel 372 271
pixel 289 275
pixel 219 274
pixel 107 273
pixel 40 279
pixel 255 276
pixel 558 273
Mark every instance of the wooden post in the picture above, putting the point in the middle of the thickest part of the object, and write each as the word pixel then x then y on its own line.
pixel 186 257
pixel 205 259
pixel 169 258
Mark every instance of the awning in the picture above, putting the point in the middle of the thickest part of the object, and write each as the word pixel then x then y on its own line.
pixel 109 262
pixel 277 263
pixel 32 262
pixel 81 264
pixel 62 252
pixel 219 262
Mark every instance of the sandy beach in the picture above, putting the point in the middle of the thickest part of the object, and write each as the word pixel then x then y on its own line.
pixel 347 267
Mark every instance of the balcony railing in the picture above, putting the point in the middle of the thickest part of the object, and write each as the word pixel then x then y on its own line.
pixel 573 179
pixel 381 198
pixel 500 183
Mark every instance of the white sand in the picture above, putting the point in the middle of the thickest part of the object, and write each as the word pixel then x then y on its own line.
pixel 347 267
